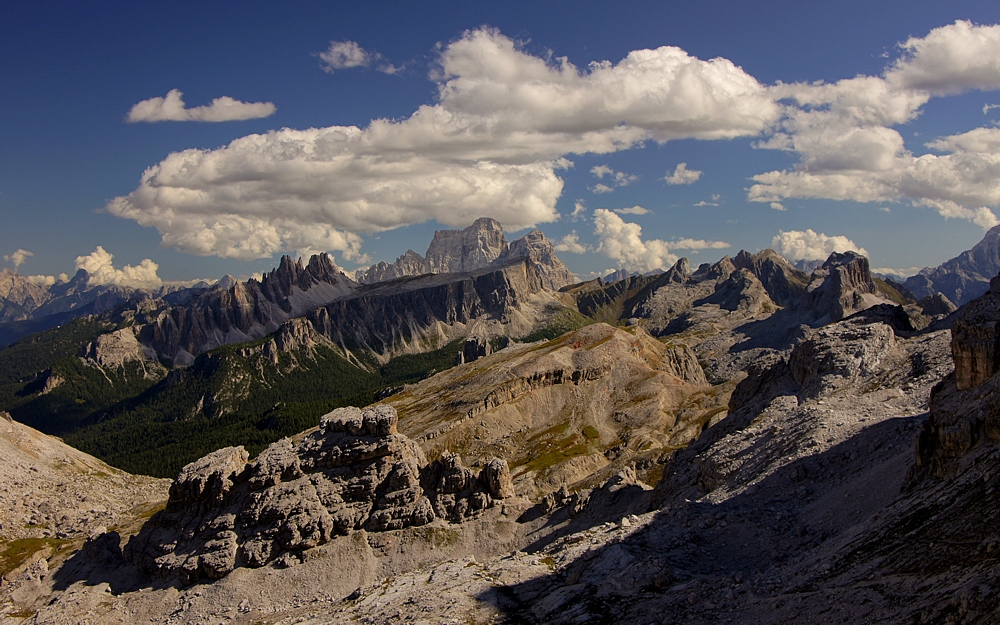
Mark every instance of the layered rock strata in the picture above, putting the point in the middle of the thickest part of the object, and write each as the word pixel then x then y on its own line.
pixel 354 472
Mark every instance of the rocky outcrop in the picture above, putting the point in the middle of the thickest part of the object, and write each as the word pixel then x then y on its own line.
pixel 965 406
pixel 840 354
pixel 354 472
pixel 936 305
pixel 741 292
pixel 963 278
pixel 841 287
pixel 975 339
pixel 115 349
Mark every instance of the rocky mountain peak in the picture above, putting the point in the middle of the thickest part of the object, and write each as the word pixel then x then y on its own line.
pixel 469 249
pixel 783 281
pixel 480 245
pixel 965 277
pixel 540 251
pixel 842 286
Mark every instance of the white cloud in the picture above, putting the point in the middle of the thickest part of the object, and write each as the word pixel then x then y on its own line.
pixel 490 145
pixel 348 54
pixel 619 178
pixel 904 272
pixel 949 60
pixel 683 175
pixel 18 257
pixel 778 206
pixel 714 201
pixel 698 244
pixel 622 241
pixel 102 271
pixel 343 55
pixel 633 210
pixel 579 210
pixel 172 108
pixel 41 280
pixel 848 150
pixel 810 245
pixel 571 243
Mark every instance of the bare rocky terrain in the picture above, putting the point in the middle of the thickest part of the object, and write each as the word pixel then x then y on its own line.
pixel 741 443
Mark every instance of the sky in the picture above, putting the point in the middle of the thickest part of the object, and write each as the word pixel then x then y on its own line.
pixel 167 142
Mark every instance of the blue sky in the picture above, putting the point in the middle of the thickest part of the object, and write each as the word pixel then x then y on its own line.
pixel 850 152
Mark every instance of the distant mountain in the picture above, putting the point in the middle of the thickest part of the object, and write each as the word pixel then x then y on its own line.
pixel 963 278
pixel 27 307
pixel 481 244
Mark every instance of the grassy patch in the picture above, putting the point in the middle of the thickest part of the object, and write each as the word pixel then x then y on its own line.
pixel 562 320
pixel 591 434
pixel 16 552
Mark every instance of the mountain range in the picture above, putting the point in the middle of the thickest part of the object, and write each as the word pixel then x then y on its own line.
pixel 471 435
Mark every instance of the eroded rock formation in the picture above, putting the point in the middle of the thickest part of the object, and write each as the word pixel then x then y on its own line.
pixel 354 472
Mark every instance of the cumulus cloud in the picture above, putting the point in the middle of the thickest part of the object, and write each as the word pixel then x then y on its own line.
pixel 18 257
pixel 571 243
pixel 810 245
pixel 172 108
pixel 778 206
pixel 42 280
pixel 848 149
pixel 617 179
pixel 348 54
pixel 622 241
pixel 102 271
pixel 632 210
pixel 683 175
pixel 950 59
pixel 491 144
pixel 579 210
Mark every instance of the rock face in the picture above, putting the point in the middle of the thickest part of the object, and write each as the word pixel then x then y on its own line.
pixel 965 277
pixel 842 287
pixel 782 281
pixel 115 349
pixel 965 407
pixel 473 248
pixel 539 251
pixel 975 339
pixel 354 472
pixel 391 318
pixel 480 245
pixel 245 311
